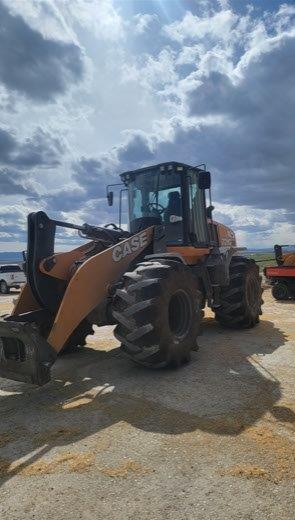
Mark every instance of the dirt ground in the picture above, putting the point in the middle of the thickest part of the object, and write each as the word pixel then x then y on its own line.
pixel 108 440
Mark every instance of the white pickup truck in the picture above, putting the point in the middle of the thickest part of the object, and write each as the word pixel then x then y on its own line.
pixel 11 275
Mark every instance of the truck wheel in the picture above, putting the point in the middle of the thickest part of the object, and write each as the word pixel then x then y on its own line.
pixel 280 291
pixel 241 300
pixel 4 289
pixel 158 313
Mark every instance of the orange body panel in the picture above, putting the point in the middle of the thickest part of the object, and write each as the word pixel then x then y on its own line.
pixel 25 302
pixel 64 261
pixel 192 255
pixel 289 258
pixel 226 236
pixel 89 285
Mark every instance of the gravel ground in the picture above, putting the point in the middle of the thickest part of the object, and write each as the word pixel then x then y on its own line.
pixel 108 440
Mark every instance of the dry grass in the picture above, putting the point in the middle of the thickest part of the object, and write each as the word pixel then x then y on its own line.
pixel 124 469
pixel 278 450
pixel 273 456
pixel 244 470
pixel 75 462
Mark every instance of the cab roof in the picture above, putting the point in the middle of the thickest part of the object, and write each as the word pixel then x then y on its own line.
pixel 171 165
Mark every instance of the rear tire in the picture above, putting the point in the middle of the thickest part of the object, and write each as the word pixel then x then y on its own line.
pixel 4 289
pixel 280 291
pixel 241 300
pixel 158 311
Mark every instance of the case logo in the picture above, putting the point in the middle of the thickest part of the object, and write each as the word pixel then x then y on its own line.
pixel 131 246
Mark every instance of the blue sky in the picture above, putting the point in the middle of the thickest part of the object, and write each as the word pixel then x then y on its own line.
pixel 90 88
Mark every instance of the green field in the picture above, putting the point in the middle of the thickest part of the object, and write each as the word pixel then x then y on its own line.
pixel 263 259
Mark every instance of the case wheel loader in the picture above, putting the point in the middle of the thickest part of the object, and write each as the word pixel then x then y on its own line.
pixel 152 282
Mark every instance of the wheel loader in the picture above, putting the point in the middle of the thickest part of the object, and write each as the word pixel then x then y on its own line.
pixel 152 282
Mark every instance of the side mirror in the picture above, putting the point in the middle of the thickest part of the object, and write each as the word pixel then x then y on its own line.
pixel 204 181
pixel 209 211
pixel 110 197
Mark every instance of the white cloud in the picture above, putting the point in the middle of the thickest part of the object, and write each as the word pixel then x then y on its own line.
pixel 153 72
pixel 142 22
pixel 217 26
pixel 98 16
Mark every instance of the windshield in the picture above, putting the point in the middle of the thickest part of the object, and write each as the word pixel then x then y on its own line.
pixel 10 268
pixel 158 194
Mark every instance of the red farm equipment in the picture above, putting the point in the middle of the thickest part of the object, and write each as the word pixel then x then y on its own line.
pixel 282 276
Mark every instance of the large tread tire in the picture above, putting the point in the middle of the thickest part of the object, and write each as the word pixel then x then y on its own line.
pixel 146 308
pixel 241 300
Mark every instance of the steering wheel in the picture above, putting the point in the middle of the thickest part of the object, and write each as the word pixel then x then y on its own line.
pixel 155 206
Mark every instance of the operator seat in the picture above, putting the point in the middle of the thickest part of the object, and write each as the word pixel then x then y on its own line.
pixel 174 206
pixel 173 227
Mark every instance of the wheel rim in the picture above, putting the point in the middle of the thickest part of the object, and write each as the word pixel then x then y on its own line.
pixel 252 294
pixel 179 314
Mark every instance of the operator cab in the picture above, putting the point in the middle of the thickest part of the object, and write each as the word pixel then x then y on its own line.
pixel 170 194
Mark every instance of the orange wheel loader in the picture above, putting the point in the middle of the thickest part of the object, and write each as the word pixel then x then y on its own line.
pixel 152 282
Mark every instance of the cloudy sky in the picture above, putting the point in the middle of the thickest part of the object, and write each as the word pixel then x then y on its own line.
pixel 90 88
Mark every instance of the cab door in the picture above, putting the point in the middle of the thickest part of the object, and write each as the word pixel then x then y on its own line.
pixel 197 218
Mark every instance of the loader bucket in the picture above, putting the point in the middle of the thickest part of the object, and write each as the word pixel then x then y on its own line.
pixel 24 353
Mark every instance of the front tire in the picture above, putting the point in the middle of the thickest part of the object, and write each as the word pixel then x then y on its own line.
pixel 241 300
pixel 158 311
pixel 4 289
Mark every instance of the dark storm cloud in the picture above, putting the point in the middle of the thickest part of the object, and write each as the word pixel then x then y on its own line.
pixel 251 152
pixel 255 152
pixel 7 146
pixel 34 66
pixel 66 200
pixel 137 149
pixel 20 161
pixel 94 174
pixel 14 183
pixel 42 150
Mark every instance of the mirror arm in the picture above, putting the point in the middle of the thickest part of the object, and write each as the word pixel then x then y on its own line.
pixel 110 193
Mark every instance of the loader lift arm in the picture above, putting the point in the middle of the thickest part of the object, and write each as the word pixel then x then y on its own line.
pixel 62 289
